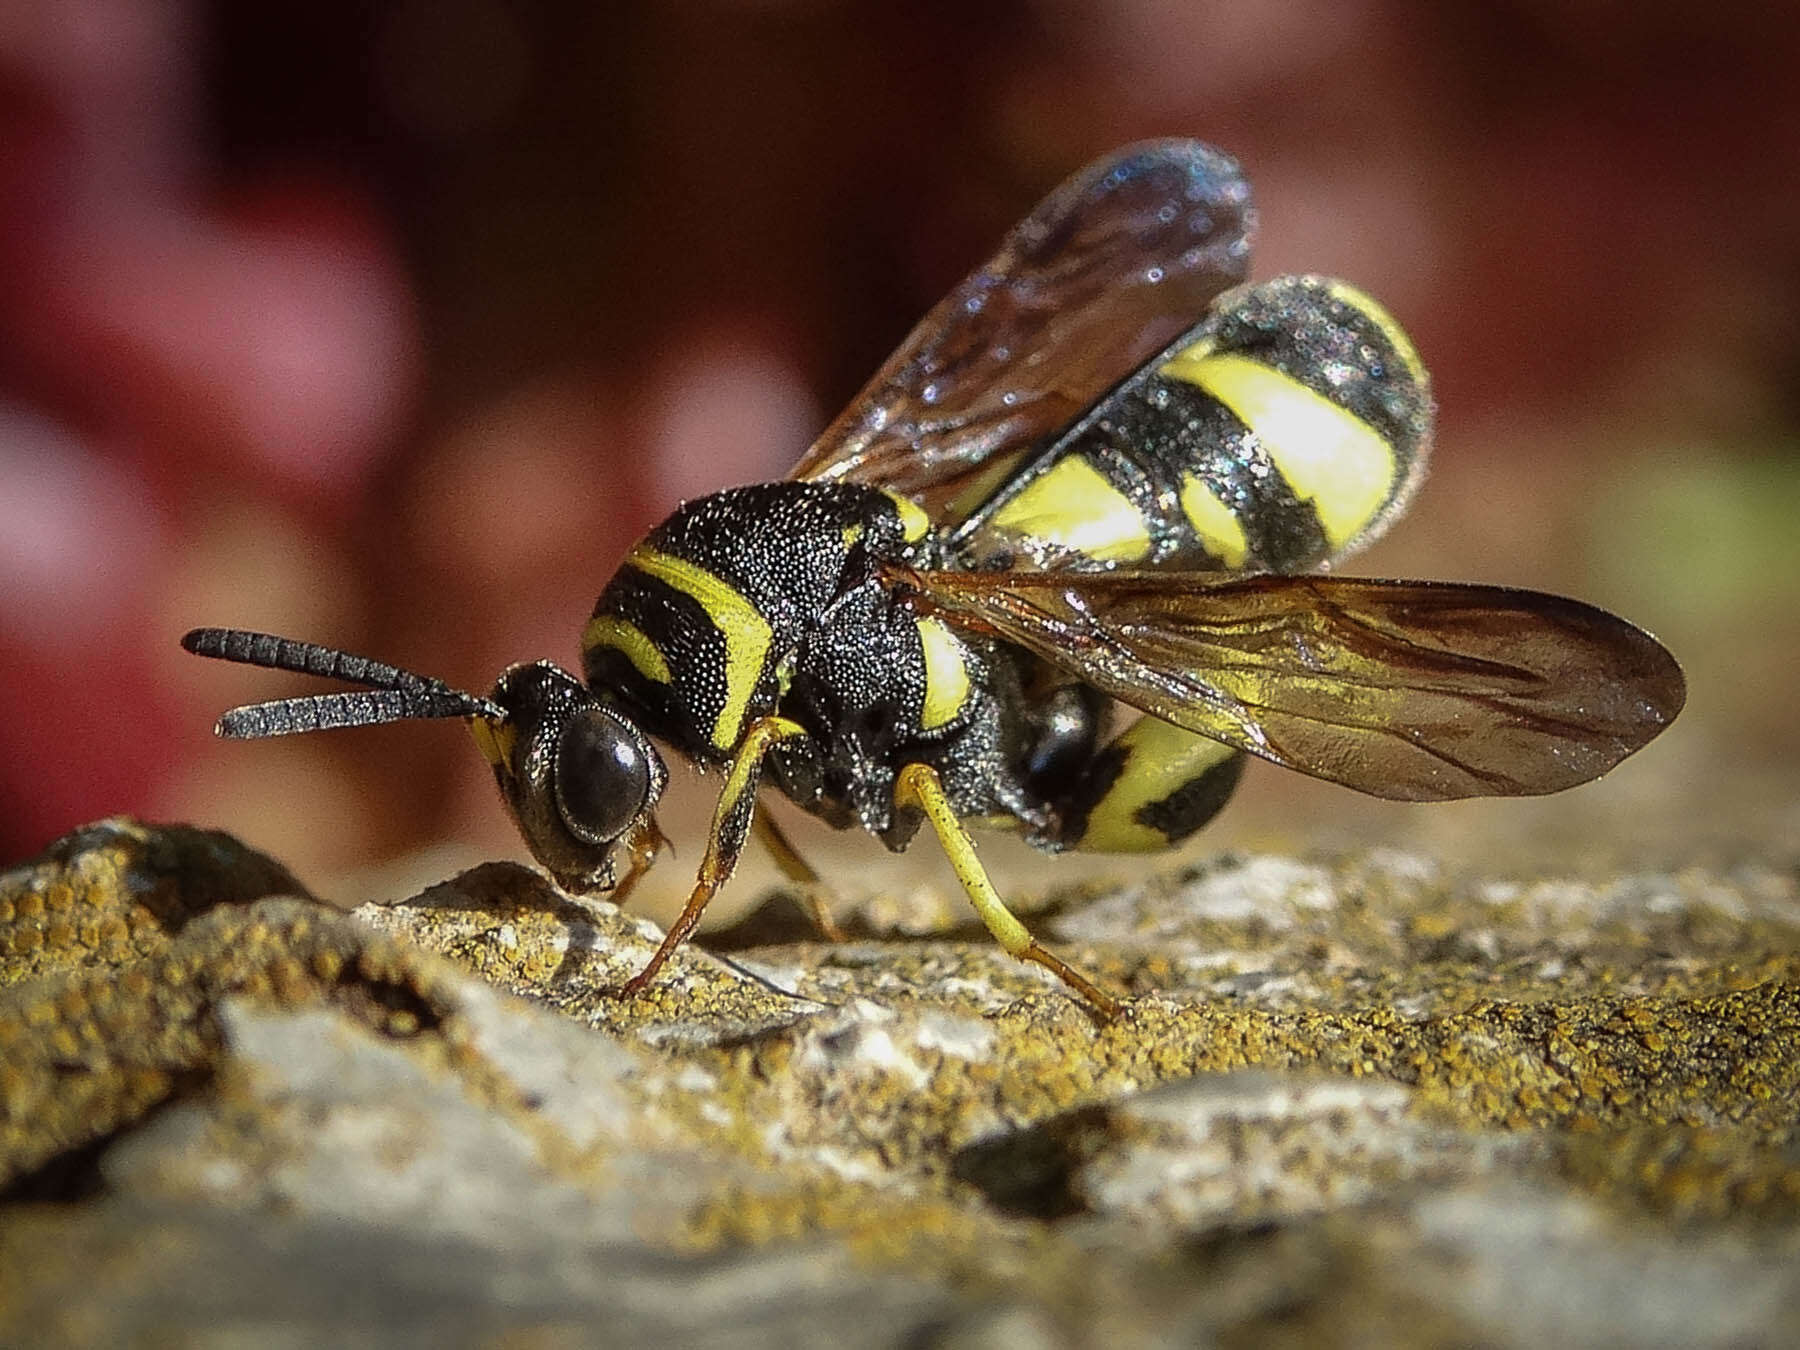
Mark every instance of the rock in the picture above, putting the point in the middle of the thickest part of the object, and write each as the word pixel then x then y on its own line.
pixel 1351 1100
pixel 116 890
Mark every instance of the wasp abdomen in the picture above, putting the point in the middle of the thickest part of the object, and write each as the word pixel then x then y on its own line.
pixel 1280 432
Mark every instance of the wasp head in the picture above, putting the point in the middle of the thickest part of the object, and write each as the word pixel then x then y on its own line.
pixel 579 777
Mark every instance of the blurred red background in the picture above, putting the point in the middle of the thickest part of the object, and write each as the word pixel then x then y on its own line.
pixel 394 324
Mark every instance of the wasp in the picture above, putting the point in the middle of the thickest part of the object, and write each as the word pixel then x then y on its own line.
pixel 1104 473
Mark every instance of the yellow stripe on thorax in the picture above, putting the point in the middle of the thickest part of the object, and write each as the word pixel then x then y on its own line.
pixel 1073 506
pixel 946 674
pixel 1328 455
pixel 914 523
pixel 624 636
pixel 747 634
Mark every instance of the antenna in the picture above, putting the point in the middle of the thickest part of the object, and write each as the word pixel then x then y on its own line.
pixel 393 694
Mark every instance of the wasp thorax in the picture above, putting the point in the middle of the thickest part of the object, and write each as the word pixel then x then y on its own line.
pixel 577 775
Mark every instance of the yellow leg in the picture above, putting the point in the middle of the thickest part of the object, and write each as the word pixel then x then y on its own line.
pixel 920 786
pixel 812 890
pixel 645 842
pixel 730 828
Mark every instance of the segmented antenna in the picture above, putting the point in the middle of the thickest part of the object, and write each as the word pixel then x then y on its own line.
pixel 393 695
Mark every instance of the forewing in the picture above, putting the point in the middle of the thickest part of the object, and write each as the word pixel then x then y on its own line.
pixel 1420 691
pixel 1106 271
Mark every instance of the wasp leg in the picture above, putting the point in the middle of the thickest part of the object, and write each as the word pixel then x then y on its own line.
pixel 730 828
pixel 645 842
pixel 920 786
pixel 812 891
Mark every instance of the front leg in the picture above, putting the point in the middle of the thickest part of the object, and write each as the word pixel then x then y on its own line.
pixel 730 828
pixel 642 845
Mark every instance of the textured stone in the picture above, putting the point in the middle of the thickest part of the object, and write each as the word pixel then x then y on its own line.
pixel 1353 1100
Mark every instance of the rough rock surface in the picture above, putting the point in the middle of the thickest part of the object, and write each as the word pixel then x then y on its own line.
pixel 1348 1101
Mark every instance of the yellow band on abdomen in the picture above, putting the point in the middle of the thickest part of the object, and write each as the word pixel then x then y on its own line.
pixel 1071 505
pixel 1328 455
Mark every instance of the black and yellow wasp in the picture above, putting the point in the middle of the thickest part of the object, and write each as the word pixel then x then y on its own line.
pixel 1095 472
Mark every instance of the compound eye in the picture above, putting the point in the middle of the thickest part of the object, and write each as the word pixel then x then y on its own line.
pixel 603 776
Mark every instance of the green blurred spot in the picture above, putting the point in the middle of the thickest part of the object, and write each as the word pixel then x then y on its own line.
pixel 1703 535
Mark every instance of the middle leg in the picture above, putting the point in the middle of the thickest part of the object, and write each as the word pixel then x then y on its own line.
pixel 920 786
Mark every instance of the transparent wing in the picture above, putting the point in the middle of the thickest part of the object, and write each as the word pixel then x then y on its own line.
pixel 1105 272
pixel 1419 691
